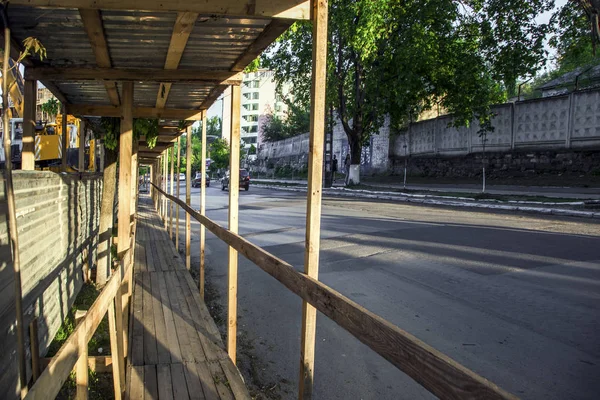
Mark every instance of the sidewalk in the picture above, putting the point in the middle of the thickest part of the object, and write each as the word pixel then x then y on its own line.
pixel 585 202
pixel 579 193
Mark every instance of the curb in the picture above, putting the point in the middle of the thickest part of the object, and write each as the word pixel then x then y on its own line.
pixel 458 202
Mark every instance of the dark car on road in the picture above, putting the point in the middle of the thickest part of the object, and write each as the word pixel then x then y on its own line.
pixel 197 181
pixel 244 180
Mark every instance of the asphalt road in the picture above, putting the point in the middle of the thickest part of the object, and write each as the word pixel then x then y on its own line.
pixel 513 297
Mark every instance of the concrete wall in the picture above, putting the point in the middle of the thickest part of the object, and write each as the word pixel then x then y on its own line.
pixel 57 218
pixel 294 151
pixel 553 123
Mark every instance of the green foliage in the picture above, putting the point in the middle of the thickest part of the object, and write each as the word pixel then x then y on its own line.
pixel 51 107
pixel 214 127
pixel 101 339
pixel 253 66
pixel 147 127
pixel 398 58
pixel 296 122
pixel 219 154
pixel 112 131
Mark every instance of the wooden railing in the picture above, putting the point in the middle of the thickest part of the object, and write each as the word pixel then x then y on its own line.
pixel 114 299
pixel 436 372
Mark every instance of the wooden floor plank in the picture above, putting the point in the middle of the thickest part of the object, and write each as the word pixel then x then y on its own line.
pixel 190 324
pixel 236 383
pixel 180 391
pixel 150 260
pixel 165 383
pixel 162 345
pixel 220 380
pixel 136 391
pixel 150 352
pixel 180 323
pixel 193 381
pixel 172 339
pixel 207 381
pixel 176 350
pixel 209 343
pixel 150 383
pixel 137 331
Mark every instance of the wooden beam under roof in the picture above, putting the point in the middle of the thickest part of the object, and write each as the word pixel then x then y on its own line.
pixel 138 112
pixel 267 36
pixel 133 74
pixel 181 33
pixel 92 23
pixel 284 9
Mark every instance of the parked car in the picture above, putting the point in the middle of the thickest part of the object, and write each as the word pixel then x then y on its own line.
pixel 181 177
pixel 244 180
pixel 197 181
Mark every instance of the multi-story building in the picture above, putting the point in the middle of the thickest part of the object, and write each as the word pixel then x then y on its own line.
pixel 259 100
pixel 43 95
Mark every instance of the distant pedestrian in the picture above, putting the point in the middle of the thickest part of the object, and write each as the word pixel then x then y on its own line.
pixel 334 167
pixel 347 169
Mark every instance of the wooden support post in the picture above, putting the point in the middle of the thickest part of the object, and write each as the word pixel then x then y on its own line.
pixel 177 192
pixel 115 327
pixel 164 187
pixel 125 167
pixel 34 342
pixel 29 102
pixel 202 204
pixel 81 368
pixel 65 139
pixel 12 229
pixel 188 197
pixel 81 158
pixel 315 178
pixel 172 205
pixel 135 175
pixel 234 193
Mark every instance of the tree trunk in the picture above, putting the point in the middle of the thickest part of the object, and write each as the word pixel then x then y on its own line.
pixel 355 154
pixel 107 216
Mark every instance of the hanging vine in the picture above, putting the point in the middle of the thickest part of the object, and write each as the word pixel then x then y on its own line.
pixel 146 127
pixel 112 130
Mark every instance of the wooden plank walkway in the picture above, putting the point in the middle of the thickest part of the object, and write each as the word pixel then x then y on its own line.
pixel 175 351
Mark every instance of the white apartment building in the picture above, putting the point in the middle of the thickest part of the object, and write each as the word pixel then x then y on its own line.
pixel 259 100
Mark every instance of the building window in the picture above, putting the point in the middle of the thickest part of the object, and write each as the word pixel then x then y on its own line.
pixel 255 96
pixel 250 129
pixel 251 118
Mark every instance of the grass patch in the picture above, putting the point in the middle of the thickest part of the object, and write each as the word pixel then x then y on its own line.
pixel 101 339
pixel 100 387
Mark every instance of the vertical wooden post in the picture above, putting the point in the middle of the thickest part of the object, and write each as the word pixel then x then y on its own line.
pixel 313 206
pixel 172 204
pixel 65 139
pixel 188 197
pixel 202 203
pixel 177 191
pixel 115 327
pixel 13 233
pixel 35 349
pixel 81 158
pixel 29 101
pixel 81 368
pixel 234 193
pixel 165 186
pixel 125 166
pixel 134 178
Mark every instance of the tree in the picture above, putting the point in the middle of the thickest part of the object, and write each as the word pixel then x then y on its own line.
pixel 219 154
pixel 391 57
pixel 214 127
pixel 274 129
pixel 51 107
